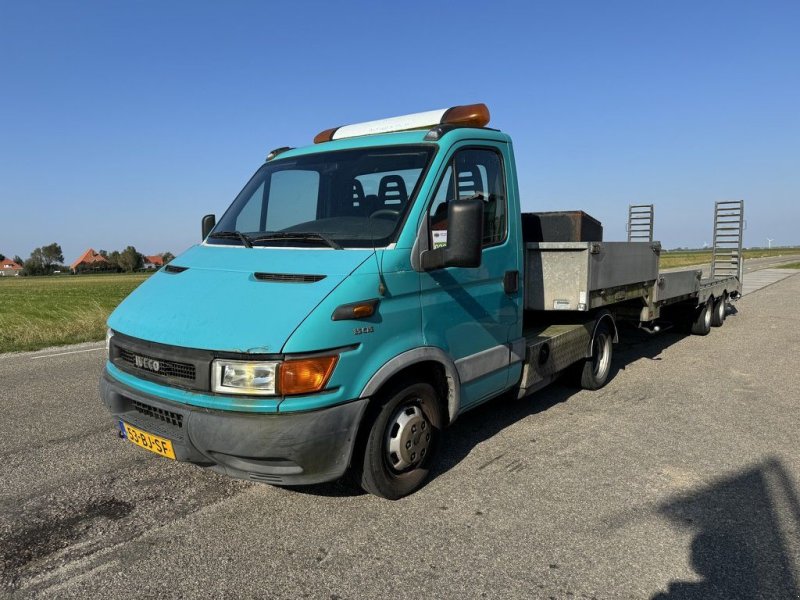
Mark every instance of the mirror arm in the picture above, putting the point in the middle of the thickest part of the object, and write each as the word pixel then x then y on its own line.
pixel 433 259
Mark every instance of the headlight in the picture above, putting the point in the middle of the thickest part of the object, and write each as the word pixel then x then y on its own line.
pixel 109 335
pixel 270 378
pixel 244 377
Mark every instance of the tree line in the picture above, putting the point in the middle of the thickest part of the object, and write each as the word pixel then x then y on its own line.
pixel 49 259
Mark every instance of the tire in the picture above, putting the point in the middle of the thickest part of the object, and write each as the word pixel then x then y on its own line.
pixel 719 311
pixel 595 370
pixel 702 320
pixel 402 442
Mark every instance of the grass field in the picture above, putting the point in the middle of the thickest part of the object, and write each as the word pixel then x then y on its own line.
pixel 680 258
pixel 37 312
pixel 794 265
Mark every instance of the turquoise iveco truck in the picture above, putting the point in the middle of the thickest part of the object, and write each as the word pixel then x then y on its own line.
pixel 361 293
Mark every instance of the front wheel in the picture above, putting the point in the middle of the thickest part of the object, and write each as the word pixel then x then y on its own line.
pixel 402 442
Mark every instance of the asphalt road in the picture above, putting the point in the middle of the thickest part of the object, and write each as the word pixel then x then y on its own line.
pixel 679 479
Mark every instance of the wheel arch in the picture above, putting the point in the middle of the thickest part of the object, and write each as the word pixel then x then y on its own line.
pixel 429 364
pixel 604 316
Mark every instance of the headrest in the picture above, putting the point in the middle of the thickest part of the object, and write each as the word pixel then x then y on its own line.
pixel 469 182
pixel 358 191
pixel 392 191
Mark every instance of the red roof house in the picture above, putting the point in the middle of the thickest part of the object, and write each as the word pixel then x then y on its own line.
pixel 89 260
pixel 9 267
pixel 153 262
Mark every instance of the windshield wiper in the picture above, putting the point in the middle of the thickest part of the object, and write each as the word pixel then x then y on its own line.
pixel 303 236
pixel 233 235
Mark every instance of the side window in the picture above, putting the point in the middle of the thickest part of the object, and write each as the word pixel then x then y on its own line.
pixel 438 212
pixel 479 172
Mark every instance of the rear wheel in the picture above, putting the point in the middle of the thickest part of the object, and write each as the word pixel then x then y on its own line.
pixel 401 445
pixel 702 320
pixel 595 369
pixel 720 308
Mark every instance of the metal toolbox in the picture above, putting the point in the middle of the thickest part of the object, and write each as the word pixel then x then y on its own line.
pixel 561 226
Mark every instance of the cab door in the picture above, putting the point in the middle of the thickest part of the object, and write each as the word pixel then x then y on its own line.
pixel 471 313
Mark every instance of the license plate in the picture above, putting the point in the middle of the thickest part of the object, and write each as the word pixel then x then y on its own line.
pixel 148 441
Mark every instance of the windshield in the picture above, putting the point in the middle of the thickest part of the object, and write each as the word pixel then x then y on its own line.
pixel 346 198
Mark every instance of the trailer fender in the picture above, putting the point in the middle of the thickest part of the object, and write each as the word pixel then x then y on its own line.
pixel 604 316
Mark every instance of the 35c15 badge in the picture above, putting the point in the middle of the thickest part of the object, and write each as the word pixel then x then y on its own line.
pixel 363 330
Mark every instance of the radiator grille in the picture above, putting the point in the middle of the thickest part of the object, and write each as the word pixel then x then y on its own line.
pixel 157 366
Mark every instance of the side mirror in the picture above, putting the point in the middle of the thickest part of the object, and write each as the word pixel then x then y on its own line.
pixel 208 224
pixel 464 237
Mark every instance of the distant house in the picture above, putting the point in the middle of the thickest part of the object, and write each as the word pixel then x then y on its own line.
pixel 153 262
pixel 90 261
pixel 9 268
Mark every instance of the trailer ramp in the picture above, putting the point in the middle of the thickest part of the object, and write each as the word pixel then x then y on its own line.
pixel 726 257
pixel 640 222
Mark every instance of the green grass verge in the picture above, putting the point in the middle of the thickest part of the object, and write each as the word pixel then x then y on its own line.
pixel 681 258
pixel 38 312
pixel 794 265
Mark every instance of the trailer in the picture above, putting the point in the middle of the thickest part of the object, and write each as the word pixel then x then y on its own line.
pixel 573 287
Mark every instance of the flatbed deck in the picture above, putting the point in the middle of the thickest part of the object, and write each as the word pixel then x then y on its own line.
pixel 583 276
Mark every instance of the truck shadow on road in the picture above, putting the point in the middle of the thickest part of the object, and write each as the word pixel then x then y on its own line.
pixel 742 524
pixel 486 421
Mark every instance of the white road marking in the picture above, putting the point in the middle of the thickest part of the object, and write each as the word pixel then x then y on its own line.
pixel 762 278
pixel 70 352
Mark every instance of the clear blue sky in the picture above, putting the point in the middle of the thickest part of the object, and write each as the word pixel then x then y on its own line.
pixel 123 123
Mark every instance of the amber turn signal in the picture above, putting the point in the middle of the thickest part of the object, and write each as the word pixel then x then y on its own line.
pixel 356 310
pixel 306 375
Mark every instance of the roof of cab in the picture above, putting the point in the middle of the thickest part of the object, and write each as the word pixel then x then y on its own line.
pixel 397 138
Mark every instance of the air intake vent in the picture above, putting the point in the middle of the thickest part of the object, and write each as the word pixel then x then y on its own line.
pixel 174 269
pixel 169 417
pixel 288 278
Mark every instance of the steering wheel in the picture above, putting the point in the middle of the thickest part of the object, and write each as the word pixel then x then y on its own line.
pixel 384 212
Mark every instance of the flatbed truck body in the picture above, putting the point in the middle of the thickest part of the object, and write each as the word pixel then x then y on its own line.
pixel 361 293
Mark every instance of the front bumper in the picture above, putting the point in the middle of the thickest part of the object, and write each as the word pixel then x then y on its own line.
pixel 284 449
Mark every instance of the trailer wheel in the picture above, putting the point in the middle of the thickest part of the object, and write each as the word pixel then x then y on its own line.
pixel 702 320
pixel 595 369
pixel 401 445
pixel 720 309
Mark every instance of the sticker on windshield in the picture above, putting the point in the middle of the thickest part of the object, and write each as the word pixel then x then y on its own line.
pixel 439 239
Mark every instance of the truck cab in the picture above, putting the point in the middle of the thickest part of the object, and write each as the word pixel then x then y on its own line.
pixel 356 297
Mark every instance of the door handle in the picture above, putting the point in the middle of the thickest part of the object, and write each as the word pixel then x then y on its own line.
pixel 511 282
